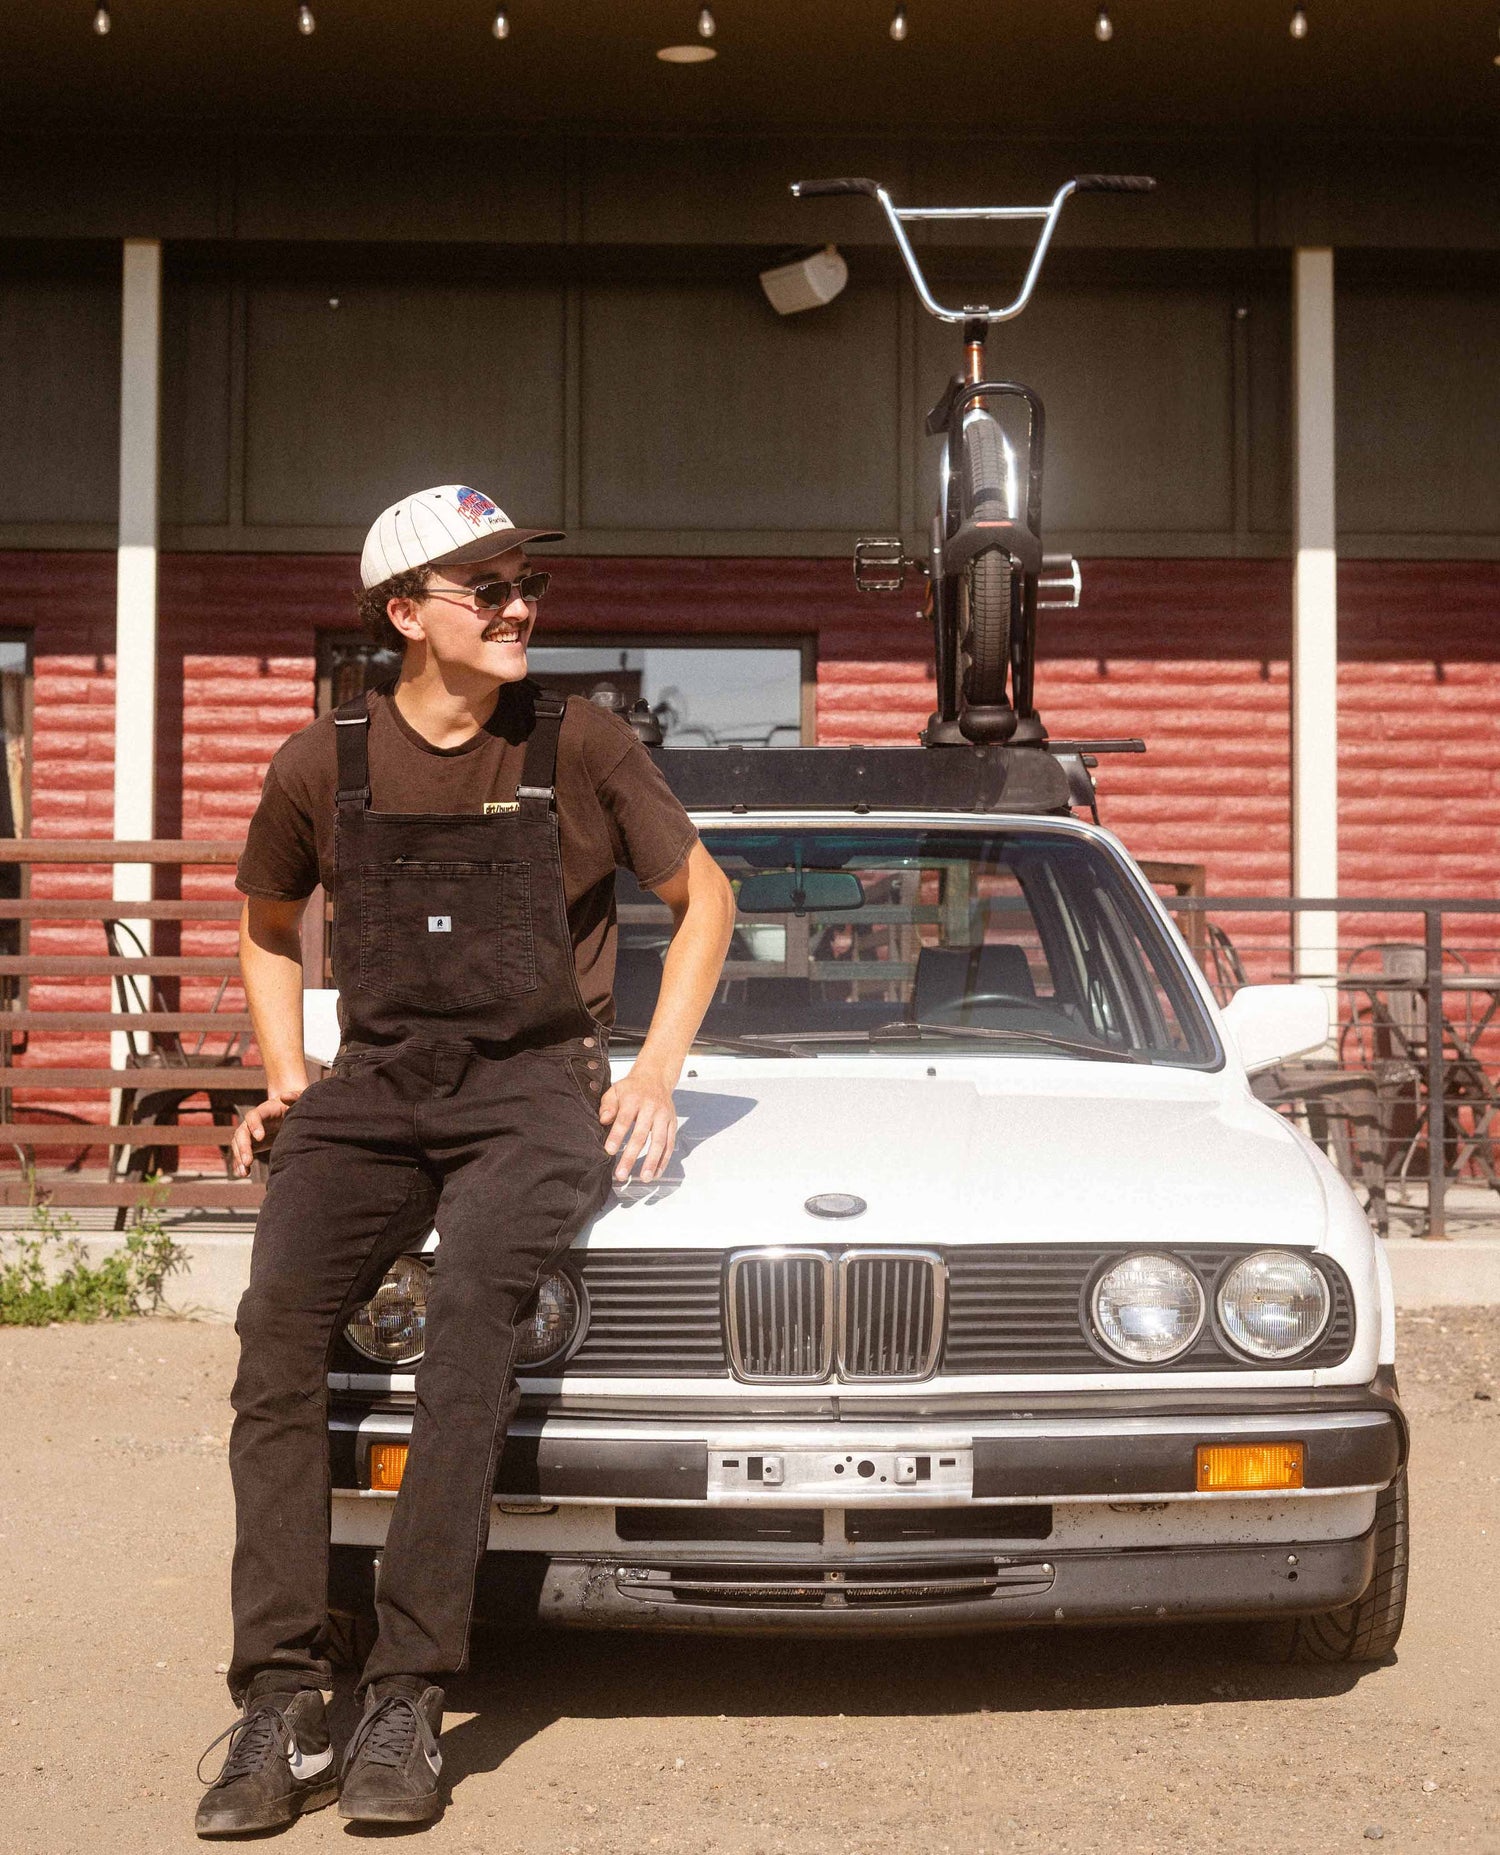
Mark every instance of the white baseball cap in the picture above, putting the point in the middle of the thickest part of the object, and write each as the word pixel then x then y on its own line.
pixel 442 527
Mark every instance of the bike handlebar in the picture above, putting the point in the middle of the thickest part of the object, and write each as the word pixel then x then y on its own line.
pixel 821 189
pixel 897 217
pixel 1114 183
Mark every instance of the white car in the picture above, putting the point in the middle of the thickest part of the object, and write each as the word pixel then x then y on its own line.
pixel 980 1291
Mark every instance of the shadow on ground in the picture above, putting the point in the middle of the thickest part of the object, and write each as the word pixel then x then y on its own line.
pixel 518 1683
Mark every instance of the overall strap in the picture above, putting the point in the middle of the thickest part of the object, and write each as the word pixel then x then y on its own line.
pixel 351 729
pixel 539 770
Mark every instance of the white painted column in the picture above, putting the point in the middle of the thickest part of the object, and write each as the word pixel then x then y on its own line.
pixel 135 581
pixel 1315 727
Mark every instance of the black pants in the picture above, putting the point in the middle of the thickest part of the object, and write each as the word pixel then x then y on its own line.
pixel 505 1154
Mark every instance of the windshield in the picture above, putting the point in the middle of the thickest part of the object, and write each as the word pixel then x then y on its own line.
pixel 1013 940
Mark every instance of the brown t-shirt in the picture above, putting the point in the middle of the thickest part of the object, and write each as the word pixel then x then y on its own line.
pixel 614 809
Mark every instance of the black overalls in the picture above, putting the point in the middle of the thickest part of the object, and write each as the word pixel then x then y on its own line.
pixel 466 1093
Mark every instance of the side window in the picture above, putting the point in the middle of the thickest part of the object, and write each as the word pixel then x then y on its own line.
pixel 349 664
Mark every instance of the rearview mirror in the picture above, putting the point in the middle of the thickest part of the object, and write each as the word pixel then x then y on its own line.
pixel 1272 1022
pixel 788 892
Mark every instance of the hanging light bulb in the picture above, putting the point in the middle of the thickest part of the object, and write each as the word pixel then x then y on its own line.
pixel 898 24
pixel 1104 26
pixel 1297 26
pixel 706 25
pixel 500 24
pixel 306 24
pixel 102 20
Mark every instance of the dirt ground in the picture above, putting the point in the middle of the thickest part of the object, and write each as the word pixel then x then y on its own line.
pixel 115 1530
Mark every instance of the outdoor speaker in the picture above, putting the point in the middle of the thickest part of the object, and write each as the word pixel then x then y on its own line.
pixel 808 283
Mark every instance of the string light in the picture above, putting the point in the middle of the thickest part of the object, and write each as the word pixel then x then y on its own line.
pixel 1298 23
pixel 500 24
pixel 1104 26
pixel 306 24
pixel 898 24
pixel 706 24
pixel 102 20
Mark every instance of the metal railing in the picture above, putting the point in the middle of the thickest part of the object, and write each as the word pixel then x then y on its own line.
pixel 159 1074
pixel 1434 1016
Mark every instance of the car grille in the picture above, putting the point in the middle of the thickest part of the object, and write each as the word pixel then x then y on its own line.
pixel 818 1587
pixel 781 1307
pixel 1011 1309
pixel 653 1313
pixel 890 1313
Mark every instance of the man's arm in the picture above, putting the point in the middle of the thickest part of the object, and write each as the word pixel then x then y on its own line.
pixel 638 1110
pixel 271 962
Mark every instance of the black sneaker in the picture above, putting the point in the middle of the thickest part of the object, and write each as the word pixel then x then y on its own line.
pixel 392 1764
pixel 279 1763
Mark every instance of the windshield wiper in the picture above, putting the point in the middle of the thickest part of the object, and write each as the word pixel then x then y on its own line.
pixel 711 1040
pixel 987 1033
pixel 1074 1046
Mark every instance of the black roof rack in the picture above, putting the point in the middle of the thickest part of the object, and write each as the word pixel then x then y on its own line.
pixel 865 779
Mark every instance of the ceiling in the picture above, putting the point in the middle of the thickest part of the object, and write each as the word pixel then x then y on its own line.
pixel 1189 68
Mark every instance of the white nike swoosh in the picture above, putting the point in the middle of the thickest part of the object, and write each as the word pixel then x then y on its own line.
pixel 305 1765
pixel 435 1759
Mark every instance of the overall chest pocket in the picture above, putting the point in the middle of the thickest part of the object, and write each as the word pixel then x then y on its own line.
pixel 447 936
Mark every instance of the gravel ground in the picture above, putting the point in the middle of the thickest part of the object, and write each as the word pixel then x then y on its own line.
pixel 115 1530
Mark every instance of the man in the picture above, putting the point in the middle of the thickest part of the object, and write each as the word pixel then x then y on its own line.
pixel 468 828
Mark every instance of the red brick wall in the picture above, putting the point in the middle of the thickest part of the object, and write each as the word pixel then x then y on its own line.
pixel 1190 654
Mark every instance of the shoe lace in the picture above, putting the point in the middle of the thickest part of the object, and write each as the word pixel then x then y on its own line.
pixel 385 1735
pixel 257 1736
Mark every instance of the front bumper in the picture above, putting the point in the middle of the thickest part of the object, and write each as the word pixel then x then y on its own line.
pixel 934 1596
pixel 1053 1516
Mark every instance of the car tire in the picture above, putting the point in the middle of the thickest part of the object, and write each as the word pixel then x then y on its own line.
pixel 1366 1630
pixel 351 1631
pixel 350 1637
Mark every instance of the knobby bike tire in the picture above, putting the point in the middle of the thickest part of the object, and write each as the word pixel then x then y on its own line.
pixel 987 604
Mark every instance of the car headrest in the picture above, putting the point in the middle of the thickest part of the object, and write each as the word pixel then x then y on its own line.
pixel 946 975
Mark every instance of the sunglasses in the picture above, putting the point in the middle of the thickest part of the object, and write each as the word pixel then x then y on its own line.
pixel 496 594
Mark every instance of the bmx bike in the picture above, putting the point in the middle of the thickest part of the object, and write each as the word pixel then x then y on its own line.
pixel 986 572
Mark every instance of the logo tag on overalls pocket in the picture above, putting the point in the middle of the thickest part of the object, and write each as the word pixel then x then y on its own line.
pixel 491 806
pixel 440 924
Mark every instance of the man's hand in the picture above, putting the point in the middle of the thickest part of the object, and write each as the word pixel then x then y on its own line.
pixel 638 1112
pixel 259 1127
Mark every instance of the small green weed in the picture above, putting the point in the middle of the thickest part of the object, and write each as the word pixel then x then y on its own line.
pixel 46 1275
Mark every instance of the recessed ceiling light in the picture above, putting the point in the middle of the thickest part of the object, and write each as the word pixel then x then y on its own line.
pixel 686 54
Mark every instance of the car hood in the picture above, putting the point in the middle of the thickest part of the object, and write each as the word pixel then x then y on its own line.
pixel 1019 1151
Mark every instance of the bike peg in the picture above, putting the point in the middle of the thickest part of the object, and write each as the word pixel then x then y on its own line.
pixel 1113 183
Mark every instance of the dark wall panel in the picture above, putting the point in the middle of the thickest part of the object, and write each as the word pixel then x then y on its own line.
pixel 702 408
pixel 1138 386
pixel 197 333
pixel 59 399
pixel 1268 351
pixel 1418 407
pixel 349 407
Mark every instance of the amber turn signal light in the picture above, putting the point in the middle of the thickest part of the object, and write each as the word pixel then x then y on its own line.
pixel 388 1465
pixel 1223 1467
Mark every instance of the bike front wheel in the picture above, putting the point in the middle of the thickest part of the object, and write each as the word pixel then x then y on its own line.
pixel 989 592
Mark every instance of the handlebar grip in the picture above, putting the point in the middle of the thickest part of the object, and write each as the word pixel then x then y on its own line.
pixel 819 189
pixel 1113 183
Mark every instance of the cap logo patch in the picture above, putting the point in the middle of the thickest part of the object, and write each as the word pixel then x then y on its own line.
pixel 477 510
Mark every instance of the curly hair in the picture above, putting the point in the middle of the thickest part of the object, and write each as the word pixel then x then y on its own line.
pixel 372 603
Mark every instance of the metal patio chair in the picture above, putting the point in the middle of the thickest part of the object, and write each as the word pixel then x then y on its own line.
pixel 166 1049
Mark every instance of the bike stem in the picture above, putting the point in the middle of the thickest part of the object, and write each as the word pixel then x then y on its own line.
pixel 975 331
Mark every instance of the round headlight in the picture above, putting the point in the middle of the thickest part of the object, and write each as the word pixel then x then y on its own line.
pixel 1274 1304
pixel 549 1323
pixel 391 1327
pixel 1148 1308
